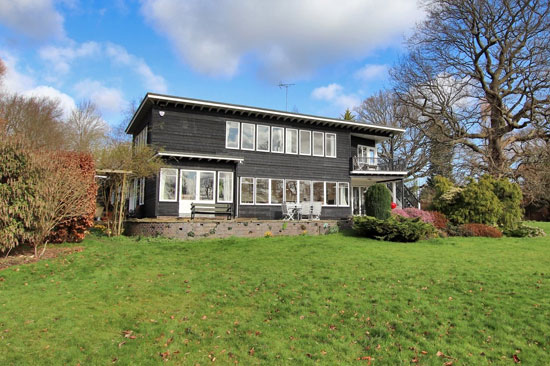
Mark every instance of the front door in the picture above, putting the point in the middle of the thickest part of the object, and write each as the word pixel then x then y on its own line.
pixel 196 186
pixel 359 200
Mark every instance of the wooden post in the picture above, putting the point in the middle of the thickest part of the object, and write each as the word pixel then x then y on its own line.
pixel 121 211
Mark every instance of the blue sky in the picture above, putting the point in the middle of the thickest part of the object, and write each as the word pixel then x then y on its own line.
pixel 336 52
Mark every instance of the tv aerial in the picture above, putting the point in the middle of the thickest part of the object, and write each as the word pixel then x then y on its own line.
pixel 286 86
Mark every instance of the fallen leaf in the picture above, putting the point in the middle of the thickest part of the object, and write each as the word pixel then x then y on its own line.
pixel 424 352
pixel 516 359
pixel 121 344
pixel 251 352
pixel 450 363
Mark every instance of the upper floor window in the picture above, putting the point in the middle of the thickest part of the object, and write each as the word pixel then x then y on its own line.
pixel 330 145
pixel 305 142
pixel 291 141
pixel 277 139
pixel 262 138
pixel 318 144
pixel 232 130
pixel 248 136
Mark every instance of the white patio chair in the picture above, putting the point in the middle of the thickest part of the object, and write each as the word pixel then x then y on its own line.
pixel 306 210
pixel 316 210
pixel 288 212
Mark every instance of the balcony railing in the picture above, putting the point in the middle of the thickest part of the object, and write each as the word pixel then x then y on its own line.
pixel 364 163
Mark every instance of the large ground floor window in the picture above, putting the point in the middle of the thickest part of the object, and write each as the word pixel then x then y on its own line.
pixel 268 191
pixel 195 185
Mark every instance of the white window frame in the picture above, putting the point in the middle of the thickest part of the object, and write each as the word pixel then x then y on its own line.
pixel 282 140
pixel 268 192
pixel 300 142
pixel 338 195
pixel 218 187
pixel 270 186
pixel 297 189
pixel 196 184
pixel 142 191
pixel 227 123
pixel 313 194
pixel 241 191
pixel 214 187
pixel 268 138
pixel 313 143
pixel 326 195
pixel 161 185
pixel 287 130
pixel 253 136
pixel 326 139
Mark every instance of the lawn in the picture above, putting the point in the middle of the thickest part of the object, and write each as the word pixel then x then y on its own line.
pixel 331 300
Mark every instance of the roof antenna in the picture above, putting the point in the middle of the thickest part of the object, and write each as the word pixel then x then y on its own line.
pixel 283 85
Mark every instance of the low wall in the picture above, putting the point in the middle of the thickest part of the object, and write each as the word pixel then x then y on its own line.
pixel 192 229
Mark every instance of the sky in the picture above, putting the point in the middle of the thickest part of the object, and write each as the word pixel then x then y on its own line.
pixel 335 52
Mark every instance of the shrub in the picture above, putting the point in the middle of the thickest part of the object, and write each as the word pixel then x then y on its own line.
pixel 524 231
pixel 435 218
pixel 400 212
pixel 479 230
pixel 439 220
pixel 378 201
pixel 393 229
pixel 509 195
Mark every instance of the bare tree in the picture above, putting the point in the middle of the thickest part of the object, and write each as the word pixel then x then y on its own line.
pixel 412 146
pixel 86 127
pixel 478 74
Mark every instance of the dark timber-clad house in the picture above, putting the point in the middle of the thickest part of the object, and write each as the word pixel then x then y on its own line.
pixel 255 159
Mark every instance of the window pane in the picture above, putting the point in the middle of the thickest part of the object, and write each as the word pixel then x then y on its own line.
pixel 248 134
pixel 305 191
pixel 277 142
pixel 225 187
pixel 263 138
pixel 331 193
pixel 232 135
pixel 318 144
pixel 318 192
pixel 168 182
pixel 291 141
pixel 344 194
pixel 305 142
pixel 277 189
pixel 291 191
pixel 247 190
pixel 331 145
pixel 262 190
pixel 188 185
pixel 372 157
pixel 206 186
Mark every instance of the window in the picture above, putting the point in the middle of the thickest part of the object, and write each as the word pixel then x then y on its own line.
pixel 133 195
pixel 188 190
pixel 248 132
pixel 343 194
pixel 225 187
pixel 372 156
pixel 232 135
pixel 330 193
pixel 318 144
pixel 247 191
pixel 262 191
pixel 330 144
pixel 291 191
pixel 291 141
pixel 277 191
pixel 168 185
pixel 305 142
pixel 141 191
pixel 277 139
pixel 206 187
pixel 262 138
pixel 305 191
pixel 367 154
pixel 319 192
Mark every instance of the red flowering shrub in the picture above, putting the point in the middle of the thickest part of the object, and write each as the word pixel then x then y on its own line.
pixel 400 212
pixel 73 229
pixel 479 230
pixel 439 220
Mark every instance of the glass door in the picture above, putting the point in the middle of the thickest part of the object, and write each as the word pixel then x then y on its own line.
pixel 196 186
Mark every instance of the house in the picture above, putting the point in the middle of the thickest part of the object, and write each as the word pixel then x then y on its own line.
pixel 255 159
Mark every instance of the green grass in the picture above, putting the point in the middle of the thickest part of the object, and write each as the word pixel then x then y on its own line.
pixel 292 300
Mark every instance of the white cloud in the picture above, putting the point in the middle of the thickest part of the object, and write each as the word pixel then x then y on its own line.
pixel 334 93
pixel 62 57
pixel 290 38
pixel 35 18
pixel 108 100
pixel 120 56
pixel 371 71
pixel 66 102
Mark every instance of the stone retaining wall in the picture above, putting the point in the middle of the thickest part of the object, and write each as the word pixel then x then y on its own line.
pixel 193 229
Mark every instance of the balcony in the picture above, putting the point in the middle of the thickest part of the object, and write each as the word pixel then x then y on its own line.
pixel 369 164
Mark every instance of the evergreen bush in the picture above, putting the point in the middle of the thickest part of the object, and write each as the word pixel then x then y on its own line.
pixel 378 201
pixel 395 228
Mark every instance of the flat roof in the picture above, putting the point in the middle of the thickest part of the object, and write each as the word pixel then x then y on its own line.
pixel 167 100
pixel 175 154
